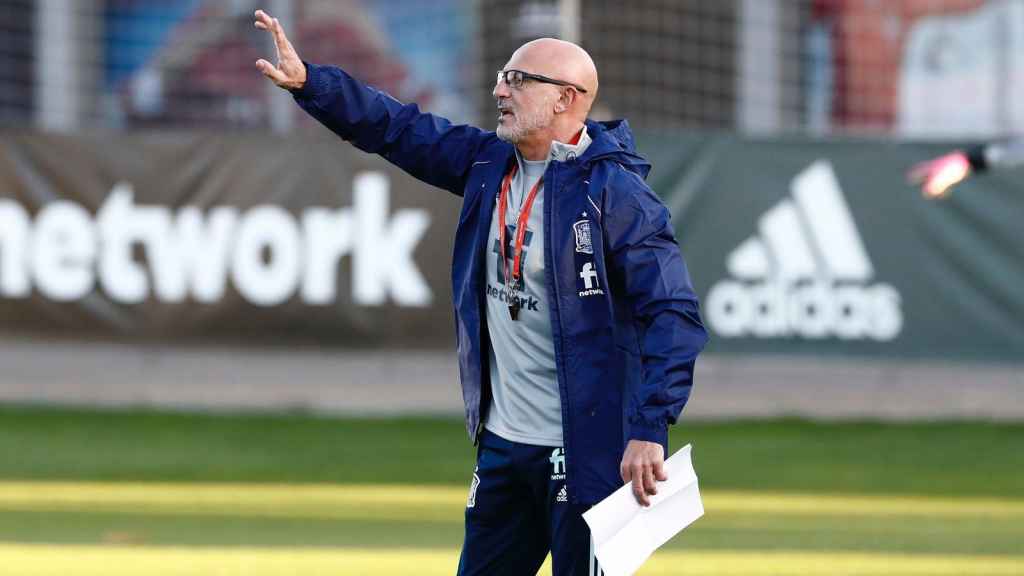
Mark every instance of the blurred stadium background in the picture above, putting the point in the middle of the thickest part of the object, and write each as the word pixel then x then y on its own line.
pixel 225 336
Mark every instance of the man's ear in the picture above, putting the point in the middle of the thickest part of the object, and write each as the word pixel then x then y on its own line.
pixel 565 100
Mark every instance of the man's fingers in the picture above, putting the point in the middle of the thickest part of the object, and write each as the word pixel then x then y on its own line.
pixel 284 47
pixel 919 172
pixel 650 486
pixel 638 489
pixel 941 181
pixel 659 472
pixel 278 31
pixel 643 466
pixel 641 480
pixel 267 68
pixel 937 188
pixel 934 179
pixel 270 71
pixel 933 184
pixel 263 20
pixel 937 176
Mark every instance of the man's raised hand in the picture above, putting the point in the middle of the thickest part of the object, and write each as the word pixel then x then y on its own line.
pixel 290 72
pixel 937 176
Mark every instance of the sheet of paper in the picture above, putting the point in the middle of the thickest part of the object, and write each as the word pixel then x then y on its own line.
pixel 626 534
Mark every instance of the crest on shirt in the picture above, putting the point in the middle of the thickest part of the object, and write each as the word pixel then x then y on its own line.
pixel 583 242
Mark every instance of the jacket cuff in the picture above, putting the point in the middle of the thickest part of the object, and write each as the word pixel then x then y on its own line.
pixel 976 158
pixel 648 432
pixel 314 82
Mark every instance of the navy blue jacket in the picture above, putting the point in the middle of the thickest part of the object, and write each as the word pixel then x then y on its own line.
pixel 625 348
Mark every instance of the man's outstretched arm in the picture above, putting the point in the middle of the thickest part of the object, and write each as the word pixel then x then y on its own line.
pixel 428 147
pixel 938 175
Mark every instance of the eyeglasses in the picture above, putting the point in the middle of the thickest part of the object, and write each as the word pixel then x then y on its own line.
pixel 515 79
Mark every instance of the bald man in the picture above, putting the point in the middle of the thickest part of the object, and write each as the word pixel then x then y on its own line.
pixel 576 324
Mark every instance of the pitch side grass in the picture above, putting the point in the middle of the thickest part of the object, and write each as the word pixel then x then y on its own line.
pixel 158 493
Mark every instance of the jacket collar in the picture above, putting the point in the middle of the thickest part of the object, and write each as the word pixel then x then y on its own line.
pixel 614 141
pixel 562 151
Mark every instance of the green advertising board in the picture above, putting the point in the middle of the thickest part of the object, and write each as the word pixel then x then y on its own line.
pixel 805 246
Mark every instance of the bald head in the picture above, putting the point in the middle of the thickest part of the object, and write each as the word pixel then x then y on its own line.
pixel 561 60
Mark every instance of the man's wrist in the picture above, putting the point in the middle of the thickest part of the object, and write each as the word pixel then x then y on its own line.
pixel 308 88
pixel 648 432
pixel 977 158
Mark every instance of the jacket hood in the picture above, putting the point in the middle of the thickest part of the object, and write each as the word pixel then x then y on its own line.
pixel 613 140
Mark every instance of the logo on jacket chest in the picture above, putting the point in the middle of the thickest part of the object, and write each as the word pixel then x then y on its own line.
pixel 589 283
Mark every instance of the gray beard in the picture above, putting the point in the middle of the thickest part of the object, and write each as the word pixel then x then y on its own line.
pixel 524 126
pixel 507 134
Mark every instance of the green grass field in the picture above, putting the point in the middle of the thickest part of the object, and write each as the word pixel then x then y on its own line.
pixel 118 493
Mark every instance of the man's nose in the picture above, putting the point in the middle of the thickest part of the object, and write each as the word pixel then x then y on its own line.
pixel 501 90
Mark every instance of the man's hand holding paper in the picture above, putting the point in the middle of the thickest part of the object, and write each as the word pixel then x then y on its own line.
pixel 627 532
pixel 643 464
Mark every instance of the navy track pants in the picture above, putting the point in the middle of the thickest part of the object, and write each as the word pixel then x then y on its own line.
pixel 518 510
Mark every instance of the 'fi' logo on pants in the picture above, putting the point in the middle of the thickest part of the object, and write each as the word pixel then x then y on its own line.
pixel 557 464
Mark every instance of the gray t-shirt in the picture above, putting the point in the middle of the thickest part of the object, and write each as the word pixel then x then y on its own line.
pixel 525 402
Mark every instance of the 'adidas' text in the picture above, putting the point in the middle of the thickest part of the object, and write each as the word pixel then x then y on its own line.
pixel 806 274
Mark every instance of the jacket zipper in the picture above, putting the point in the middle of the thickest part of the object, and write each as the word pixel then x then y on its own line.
pixel 563 383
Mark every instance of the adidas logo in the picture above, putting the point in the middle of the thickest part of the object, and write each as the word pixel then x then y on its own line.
pixel 805 274
pixel 563 496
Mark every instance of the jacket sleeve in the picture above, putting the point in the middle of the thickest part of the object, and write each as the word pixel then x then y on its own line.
pixel 643 253
pixel 428 147
pixel 997 155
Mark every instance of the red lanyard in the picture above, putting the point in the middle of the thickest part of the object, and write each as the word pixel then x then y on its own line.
pixel 512 281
